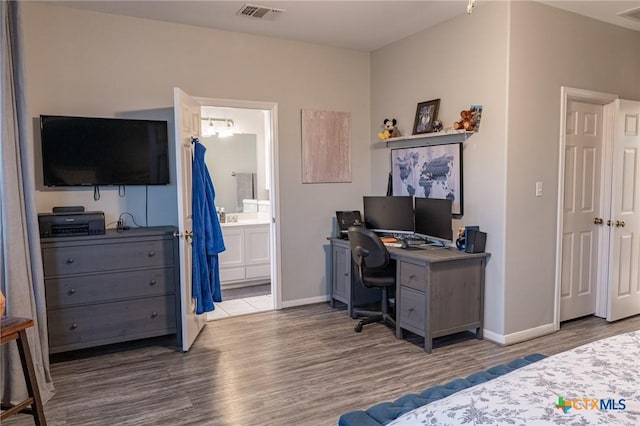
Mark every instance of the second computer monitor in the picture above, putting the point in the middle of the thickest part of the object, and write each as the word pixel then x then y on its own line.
pixel 433 219
pixel 391 215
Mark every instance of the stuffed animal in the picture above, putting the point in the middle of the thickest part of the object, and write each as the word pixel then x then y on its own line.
pixel 390 129
pixel 436 126
pixel 467 122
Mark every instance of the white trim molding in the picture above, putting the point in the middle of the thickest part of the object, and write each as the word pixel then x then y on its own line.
pixel 306 301
pixel 520 336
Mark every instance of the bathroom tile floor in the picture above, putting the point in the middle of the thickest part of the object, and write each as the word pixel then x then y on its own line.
pixel 236 307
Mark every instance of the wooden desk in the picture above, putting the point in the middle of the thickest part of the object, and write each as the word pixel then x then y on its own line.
pixel 346 287
pixel 438 292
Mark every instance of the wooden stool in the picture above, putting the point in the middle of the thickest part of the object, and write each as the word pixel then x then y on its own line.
pixel 15 329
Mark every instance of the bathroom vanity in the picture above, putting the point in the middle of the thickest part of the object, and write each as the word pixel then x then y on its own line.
pixel 247 258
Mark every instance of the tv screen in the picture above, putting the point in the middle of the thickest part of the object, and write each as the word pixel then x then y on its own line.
pixel 78 151
pixel 433 219
pixel 389 214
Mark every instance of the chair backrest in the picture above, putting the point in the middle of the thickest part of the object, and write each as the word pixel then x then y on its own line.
pixel 366 249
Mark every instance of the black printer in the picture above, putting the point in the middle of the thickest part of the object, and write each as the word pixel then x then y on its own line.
pixel 69 224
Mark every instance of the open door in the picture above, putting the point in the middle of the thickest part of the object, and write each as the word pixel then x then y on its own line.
pixel 624 288
pixel 187 126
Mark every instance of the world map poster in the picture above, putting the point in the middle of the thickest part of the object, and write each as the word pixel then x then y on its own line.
pixel 433 171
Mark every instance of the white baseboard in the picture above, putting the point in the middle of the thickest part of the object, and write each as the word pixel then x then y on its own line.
pixel 519 336
pixel 307 301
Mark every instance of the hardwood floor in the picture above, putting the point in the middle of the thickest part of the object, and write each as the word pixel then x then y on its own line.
pixel 299 366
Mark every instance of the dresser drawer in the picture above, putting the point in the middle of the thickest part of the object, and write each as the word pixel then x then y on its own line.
pixel 106 257
pixel 77 290
pixel 413 310
pixel 110 322
pixel 414 276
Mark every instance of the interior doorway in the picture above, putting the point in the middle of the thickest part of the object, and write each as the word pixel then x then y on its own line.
pixel 581 247
pixel 241 149
pixel 596 268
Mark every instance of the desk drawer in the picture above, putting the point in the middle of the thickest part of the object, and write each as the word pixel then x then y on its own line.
pixel 97 288
pixel 106 257
pixel 106 321
pixel 414 276
pixel 413 310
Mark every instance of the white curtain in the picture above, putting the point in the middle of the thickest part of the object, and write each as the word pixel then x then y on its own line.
pixel 21 276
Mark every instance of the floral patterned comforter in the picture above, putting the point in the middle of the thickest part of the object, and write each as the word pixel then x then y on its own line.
pixel 594 384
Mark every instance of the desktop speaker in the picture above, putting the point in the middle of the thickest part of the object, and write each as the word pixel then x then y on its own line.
pixel 475 241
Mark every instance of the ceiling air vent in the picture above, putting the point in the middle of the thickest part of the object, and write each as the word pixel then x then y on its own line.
pixel 259 12
pixel 631 14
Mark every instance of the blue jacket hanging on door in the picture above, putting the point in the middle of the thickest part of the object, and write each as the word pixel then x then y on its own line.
pixel 207 240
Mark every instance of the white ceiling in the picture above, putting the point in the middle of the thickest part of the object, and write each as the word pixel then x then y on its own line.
pixel 360 25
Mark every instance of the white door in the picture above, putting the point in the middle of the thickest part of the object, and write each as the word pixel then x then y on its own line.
pixel 187 126
pixel 624 288
pixel 581 206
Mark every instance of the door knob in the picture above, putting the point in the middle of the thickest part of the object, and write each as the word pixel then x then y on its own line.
pixel 187 234
pixel 619 223
pixel 598 220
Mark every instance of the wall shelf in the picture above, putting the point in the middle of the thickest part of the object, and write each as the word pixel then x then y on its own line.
pixel 439 138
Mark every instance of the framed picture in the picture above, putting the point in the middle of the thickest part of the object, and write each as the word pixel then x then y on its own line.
pixel 433 171
pixel 426 113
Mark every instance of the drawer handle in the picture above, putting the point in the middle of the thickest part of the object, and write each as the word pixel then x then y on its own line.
pixel 70 260
pixel 410 309
pixel 412 277
pixel 154 314
pixel 72 291
pixel 152 253
pixel 74 326
pixel 152 282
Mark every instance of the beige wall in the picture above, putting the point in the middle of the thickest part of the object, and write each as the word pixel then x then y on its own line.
pixel 462 62
pixel 512 57
pixel 550 48
pixel 92 64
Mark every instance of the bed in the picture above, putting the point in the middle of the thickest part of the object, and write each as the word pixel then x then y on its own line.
pixel 594 384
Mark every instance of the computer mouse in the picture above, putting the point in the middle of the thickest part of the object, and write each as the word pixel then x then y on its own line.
pixel 405 244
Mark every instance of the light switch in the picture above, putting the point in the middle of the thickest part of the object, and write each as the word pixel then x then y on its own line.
pixel 538 189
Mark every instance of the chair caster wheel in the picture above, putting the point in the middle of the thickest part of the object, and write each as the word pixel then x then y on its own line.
pixel 358 328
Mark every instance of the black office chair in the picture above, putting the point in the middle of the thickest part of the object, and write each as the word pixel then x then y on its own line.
pixel 375 269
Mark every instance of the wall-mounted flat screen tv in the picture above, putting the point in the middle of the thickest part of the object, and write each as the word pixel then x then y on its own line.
pixel 81 151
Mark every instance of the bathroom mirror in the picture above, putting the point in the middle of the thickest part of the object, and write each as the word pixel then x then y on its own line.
pixel 232 163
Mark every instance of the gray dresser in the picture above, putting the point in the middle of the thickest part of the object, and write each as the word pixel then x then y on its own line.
pixel 110 288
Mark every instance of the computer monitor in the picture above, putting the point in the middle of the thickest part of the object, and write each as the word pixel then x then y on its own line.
pixel 389 215
pixel 433 220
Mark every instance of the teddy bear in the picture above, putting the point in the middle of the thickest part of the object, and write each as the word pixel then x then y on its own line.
pixel 390 129
pixel 467 122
